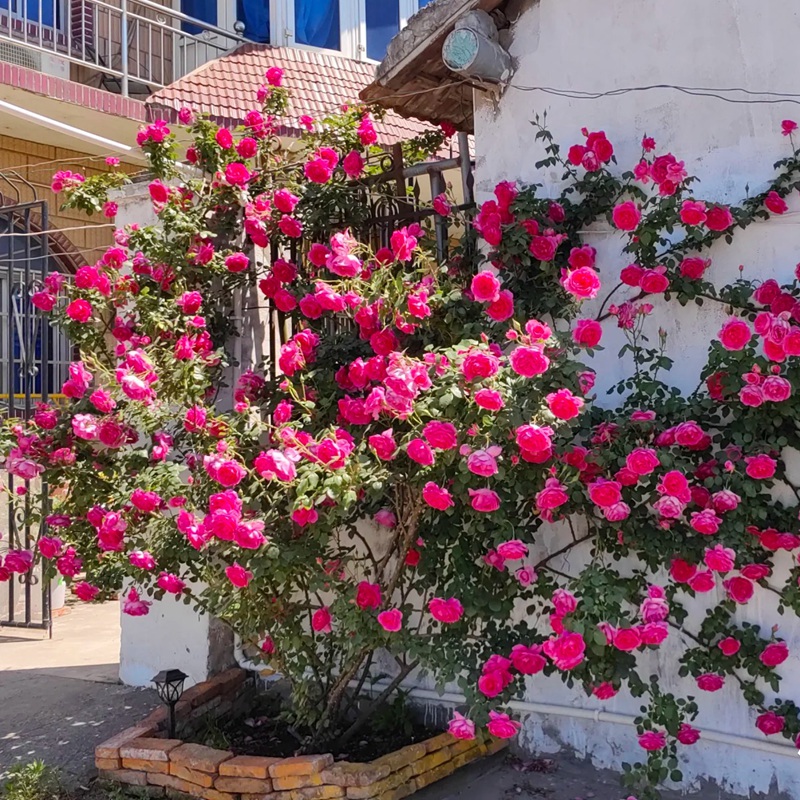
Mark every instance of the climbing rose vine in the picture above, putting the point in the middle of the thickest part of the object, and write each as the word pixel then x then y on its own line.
pixel 422 478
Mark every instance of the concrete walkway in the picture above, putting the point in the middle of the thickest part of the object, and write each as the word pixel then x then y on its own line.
pixel 59 697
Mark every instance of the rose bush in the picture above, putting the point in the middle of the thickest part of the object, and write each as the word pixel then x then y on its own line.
pixel 385 486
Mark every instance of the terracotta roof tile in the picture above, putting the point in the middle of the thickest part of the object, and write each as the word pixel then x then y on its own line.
pixel 319 82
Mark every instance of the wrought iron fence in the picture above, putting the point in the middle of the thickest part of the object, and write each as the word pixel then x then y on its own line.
pixel 34 358
pixel 398 196
pixel 124 46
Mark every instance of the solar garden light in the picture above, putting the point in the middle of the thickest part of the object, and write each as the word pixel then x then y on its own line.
pixel 169 685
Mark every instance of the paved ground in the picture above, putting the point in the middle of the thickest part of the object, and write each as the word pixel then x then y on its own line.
pixel 60 697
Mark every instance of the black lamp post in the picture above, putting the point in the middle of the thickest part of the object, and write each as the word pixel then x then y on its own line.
pixel 169 685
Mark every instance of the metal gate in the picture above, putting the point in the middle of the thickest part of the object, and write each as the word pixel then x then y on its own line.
pixel 33 360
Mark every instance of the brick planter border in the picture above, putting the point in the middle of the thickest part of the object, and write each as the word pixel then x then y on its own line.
pixel 143 757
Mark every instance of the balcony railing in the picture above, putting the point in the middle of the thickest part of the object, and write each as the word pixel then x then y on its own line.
pixel 131 47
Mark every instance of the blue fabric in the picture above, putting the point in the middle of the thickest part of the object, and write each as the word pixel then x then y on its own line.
pixel 255 15
pixel 423 3
pixel 205 10
pixel 316 23
pixel 383 23
pixel 30 11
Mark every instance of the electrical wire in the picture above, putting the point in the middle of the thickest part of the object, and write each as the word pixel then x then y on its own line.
pixel 770 98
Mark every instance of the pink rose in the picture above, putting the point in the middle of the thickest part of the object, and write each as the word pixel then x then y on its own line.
pixel 437 497
pixel 705 522
pixel 563 404
pixel 627 639
pixel 565 651
pixel 483 462
pixel 552 496
pixel 583 283
pixel 654 281
pixel 321 620
pixel 720 559
pixel 687 734
pixel 710 682
pixel 642 460
pixel 739 589
pixel 479 364
pixel 527 660
pixel 719 218
pixel 460 727
pixel 693 212
pixel 484 500
pixel 653 740
pixel 587 333
pixel 238 575
pixel 440 435
pixel 489 399
pixel 87 592
pixel 50 546
pixel 626 216
pixel 702 582
pixel 368 595
pixel 529 361
pixel 729 646
pixel 775 203
pixel 446 611
pixel 604 691
pixel 693 268
pixel 512 550
pixel 503 308
pixel 485 287
pixel 776 389
pixel 391 620
pixel 770 723
pixel 170 583
pixel 502 726
pixel 735 334
pixel 760 467
pixel 79 310
pixel 383 445
pixel 725 500
pixel 604 493
pixel 774 653
pixel 419 451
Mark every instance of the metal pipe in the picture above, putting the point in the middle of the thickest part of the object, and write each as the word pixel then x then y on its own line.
pixel 524 706
pixel 124 47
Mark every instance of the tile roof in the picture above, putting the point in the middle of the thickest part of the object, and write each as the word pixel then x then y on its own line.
pixel 319 83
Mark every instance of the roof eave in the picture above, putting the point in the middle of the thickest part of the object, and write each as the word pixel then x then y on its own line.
pixel 413 81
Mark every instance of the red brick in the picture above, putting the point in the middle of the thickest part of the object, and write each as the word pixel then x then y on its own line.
pixel 201 693
pixel 298 782
pixel 171 782
pixel 198 756
pixel 239 785
pixel 343 773
pixel 123 776
pixel 149 749
pixel 145 765
pixel 107 763
pixel 192 775
pixel 300 765
pixel 247 767
pixel 110 747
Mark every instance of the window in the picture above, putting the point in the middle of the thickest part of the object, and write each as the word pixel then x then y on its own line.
pixel 382 23
pixel 355 28
pixel 204 10
pixel 316 23
pixel 255 16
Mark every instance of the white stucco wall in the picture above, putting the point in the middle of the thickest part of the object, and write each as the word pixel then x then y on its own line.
pixel 586 46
